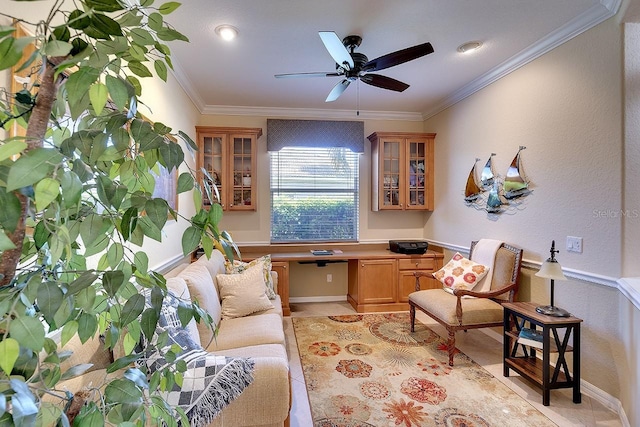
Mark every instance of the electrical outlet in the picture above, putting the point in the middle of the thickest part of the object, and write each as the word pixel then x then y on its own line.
pixel 574 244
pixel 329 278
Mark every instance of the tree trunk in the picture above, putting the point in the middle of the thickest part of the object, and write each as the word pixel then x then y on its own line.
pixel 36 130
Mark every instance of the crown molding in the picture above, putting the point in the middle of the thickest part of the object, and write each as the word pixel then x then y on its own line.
pixel 230 110
pixel 581 23
pixel 187 85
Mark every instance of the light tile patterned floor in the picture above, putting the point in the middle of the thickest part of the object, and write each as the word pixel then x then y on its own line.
pixel 474 343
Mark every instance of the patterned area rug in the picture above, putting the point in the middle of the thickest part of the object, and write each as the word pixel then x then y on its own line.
pixel 370 370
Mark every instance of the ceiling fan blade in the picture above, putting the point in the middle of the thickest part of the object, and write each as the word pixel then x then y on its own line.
pixel 384 82
pixel 337 90
pixel 336 49
pixel 398 57
pixel 295 75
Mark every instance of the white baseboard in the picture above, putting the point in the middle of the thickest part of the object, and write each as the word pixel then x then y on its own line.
pixel 328 298
pixel 609 401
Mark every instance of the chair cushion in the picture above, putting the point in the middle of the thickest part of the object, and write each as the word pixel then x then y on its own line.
pixel 442 305
pixel 460 273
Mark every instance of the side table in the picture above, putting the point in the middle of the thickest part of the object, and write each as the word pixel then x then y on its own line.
pixel 525 362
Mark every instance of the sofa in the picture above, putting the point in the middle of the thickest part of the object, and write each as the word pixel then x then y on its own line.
pixel 241 332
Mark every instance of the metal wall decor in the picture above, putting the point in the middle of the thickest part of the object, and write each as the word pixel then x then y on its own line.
pixel 494 193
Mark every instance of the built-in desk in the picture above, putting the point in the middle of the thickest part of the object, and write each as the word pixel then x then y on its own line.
pixel 379 280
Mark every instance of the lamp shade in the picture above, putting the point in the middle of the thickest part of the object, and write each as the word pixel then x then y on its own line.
pixel 551 269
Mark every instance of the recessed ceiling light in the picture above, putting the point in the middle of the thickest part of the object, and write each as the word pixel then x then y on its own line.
pixel 227 32
pixel 469 47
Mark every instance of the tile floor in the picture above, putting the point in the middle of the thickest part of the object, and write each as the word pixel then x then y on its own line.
pixel 486 352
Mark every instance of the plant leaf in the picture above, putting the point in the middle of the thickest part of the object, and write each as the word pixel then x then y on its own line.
pixel 58 48
pixel 161 69
pixel 11 148
pixel 76 370
pixel 112 281
pixel 11 211
pixel 87 326
pixel 132 309
pixel 139 69
pixel 49 299
pixel 169 7
pixel 68 331
pixel 157 211
pixel 122 390
pixel 9 352
pixel 32 167
pixel 185 182
pixel 98 94
pixel 28 331
pixel 79 82
pixel 84 281
pixel 190 239
pixel 47 191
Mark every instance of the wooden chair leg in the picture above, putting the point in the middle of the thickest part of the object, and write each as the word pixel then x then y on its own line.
pixel 451 346
pixel 412 313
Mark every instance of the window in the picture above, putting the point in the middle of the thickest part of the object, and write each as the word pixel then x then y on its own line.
pixel 314 194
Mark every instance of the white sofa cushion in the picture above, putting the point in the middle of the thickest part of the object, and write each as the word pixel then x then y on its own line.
pixel 248 331
pixel 202 289
pixel 243 293
pixel 215 265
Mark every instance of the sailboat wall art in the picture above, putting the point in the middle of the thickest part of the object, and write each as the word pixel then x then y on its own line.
pixel 493 193
pixel 515 184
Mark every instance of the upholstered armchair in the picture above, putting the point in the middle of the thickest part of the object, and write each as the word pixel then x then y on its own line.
pixel 467 309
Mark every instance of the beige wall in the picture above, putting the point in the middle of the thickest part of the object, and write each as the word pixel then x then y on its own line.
pixel 168 103
pixel 566 108
pixel 631 222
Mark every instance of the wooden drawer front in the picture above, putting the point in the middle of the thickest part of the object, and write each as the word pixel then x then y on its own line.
pixel 417 264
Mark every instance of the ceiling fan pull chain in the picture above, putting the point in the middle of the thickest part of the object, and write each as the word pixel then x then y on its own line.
pixel 358 98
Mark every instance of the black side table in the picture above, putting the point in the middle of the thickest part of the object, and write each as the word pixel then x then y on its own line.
pixel 548 377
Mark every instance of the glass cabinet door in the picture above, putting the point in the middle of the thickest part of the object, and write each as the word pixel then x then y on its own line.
pixel 391 176
pixel 242 171
pixel 416 156
pixel 213 163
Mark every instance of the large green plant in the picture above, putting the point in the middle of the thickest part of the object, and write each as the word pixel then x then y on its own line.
pixel 79 186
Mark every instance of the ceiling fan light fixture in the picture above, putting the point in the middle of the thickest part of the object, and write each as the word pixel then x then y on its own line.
pixel 469 47
pixel 226 32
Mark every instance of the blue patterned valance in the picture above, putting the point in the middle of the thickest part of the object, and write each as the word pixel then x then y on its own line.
pixel 315 133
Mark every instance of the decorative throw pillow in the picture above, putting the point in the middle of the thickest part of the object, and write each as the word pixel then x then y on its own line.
pixel 239 267
pixel 243 293
pixel 460 273
pixel 201 288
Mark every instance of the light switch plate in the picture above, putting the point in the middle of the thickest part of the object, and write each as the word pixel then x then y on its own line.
pixel 574 244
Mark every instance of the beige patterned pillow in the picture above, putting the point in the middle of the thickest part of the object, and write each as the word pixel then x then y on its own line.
pixel 243 293
pixel 460 273
pixel 239 267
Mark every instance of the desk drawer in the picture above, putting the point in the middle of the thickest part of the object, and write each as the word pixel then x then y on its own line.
pixel 417 264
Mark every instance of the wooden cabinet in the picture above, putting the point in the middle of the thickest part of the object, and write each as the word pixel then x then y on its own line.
pixel 402 170
pixel 372 283
pixel 228 155
pixel 406 279
pixel 384 284
pixel 282 269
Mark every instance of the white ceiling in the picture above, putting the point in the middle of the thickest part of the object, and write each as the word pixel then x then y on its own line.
pixel 281 36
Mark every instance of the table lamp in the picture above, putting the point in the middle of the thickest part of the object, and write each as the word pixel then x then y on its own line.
pixel 551 269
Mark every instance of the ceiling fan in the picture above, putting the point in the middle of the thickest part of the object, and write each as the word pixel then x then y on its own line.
pixel 353 66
